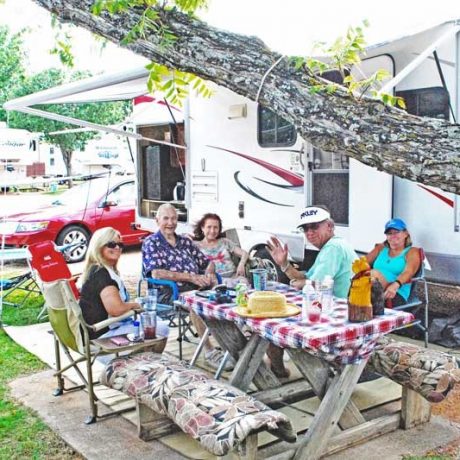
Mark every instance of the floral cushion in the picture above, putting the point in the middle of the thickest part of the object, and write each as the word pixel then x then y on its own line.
pixel 216 414
pixel 431 373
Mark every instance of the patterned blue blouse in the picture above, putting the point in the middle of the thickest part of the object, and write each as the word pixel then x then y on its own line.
pixel 184 257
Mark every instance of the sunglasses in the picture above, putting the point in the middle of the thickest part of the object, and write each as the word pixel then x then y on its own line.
pixel 312 227
pixel 393 232
pixel 114 244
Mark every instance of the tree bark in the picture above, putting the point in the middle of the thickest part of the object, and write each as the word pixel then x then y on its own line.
pixel 420 149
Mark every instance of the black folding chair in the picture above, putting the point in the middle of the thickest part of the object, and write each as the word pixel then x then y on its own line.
pixel 415 303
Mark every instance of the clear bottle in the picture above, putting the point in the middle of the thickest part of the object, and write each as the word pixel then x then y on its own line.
pixel 307 298
pixel 327 293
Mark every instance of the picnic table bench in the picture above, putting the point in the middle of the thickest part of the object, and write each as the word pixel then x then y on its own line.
pixel 168 393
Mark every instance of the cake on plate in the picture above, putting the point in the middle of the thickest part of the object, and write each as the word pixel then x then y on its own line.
pixel 267 304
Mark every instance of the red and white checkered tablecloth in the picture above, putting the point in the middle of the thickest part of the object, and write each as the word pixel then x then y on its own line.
pixel 334 338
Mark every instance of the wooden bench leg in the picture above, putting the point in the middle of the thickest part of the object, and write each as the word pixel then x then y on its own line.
pixel 248 449
pixel 415 409
pixel 151 425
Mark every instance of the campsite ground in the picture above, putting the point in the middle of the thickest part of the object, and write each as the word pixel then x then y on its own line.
pixel 130 269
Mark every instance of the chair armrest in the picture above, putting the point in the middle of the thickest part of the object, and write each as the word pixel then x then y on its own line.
pixel 107 322
pixel 168 283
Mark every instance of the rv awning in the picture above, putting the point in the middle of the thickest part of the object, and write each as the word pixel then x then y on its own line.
pixel 117 86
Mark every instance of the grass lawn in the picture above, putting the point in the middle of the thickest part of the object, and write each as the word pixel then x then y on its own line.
pixel 22 433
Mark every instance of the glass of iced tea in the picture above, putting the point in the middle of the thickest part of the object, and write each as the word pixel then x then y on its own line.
pixel 149 324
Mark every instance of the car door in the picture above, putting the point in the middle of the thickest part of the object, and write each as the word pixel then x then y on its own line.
pixel 119 212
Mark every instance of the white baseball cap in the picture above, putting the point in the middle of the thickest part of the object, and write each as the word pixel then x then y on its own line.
pixel 312 215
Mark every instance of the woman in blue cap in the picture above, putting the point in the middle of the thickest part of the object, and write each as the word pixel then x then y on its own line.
pixel 394 262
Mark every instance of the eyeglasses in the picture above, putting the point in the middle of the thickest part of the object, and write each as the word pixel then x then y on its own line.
pixel 311 227
pixel 114 244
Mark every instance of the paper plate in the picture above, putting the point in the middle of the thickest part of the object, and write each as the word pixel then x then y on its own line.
pixel 290 310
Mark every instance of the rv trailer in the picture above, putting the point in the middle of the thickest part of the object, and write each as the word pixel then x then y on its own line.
pixel 229 155
pixel 248 165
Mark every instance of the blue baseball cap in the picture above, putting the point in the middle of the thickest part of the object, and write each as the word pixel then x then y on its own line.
pixel 395 224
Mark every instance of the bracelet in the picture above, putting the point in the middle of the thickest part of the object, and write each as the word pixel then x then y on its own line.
pixel 397 281
pixel 285 267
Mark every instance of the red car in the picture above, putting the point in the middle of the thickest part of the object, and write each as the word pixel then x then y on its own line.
pixel 75 215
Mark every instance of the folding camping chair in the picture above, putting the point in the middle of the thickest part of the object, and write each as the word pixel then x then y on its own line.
pixel 71 334
pixel 24 282
pixel 415 303
pixel 170 312
pixel 49 265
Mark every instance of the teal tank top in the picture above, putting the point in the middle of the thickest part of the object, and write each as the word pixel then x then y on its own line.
pixel 392 267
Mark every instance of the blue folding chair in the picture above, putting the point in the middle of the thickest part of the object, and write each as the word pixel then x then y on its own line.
pixel 169 312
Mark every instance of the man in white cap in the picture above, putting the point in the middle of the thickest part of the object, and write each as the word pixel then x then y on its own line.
pixel 335 255
pixel 334 259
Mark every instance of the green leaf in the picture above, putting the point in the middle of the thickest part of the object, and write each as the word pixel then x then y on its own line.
pixel 401 102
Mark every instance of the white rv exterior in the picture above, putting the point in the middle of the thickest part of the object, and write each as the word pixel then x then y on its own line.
pixel 258 189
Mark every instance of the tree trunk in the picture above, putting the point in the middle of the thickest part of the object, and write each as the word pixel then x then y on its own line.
pixel 420 149
pixel 67 157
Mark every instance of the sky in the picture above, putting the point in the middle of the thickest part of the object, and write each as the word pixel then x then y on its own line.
pixel 288 26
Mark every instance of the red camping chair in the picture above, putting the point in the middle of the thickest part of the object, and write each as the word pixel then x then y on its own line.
pixel 50 265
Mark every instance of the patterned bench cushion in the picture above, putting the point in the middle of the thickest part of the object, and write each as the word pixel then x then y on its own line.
pixel 430 373
pixel 216 414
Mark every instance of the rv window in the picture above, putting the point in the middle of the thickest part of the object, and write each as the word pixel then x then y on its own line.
pixel 330 183
pixel 427 102
pixel 274 131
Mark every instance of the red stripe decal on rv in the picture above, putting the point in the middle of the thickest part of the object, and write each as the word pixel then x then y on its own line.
pixel 140 99
pixel 288 176
pixel 145 98
pixel 446 200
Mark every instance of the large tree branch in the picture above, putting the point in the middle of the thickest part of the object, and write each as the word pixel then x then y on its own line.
pixel 420 149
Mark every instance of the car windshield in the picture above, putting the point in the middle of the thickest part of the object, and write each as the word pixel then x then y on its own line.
pixel 87 192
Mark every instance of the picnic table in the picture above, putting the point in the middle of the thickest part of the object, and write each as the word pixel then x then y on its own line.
pixel 330 356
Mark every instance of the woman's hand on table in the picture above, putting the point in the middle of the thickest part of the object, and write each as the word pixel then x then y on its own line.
pixel 240 270
pixel 212 279
pixel 297 284
pixel 391 290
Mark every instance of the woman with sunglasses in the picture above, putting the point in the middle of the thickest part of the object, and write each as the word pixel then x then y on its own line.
pixel 103 293
pixel 394 262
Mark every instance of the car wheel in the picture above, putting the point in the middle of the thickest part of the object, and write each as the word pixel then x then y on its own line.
pixel 72 235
